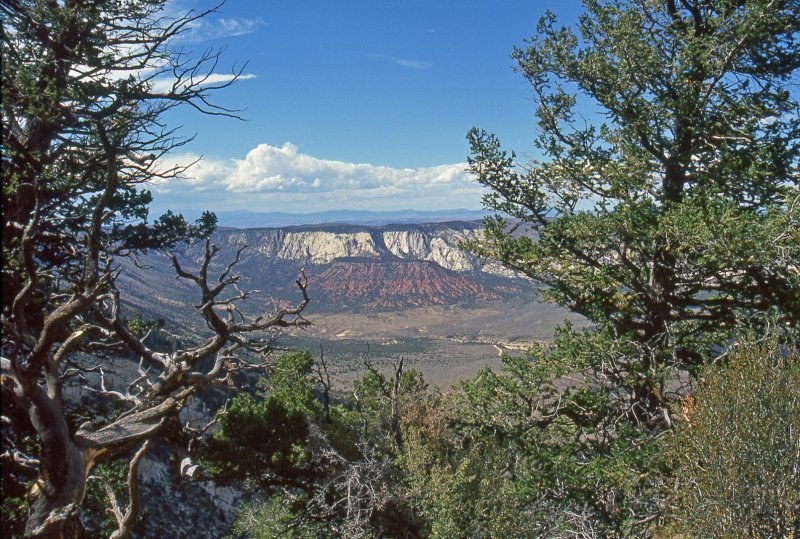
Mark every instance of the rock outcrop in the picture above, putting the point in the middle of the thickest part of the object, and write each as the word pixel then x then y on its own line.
pixel 178 506
pixel 323 244
pixel 388 285
pixel 323 247
pixel 349 266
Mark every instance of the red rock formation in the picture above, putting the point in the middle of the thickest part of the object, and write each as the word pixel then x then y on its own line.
pixel 395 284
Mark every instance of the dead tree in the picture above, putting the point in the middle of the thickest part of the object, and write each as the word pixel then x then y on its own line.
pixel 390 390
pixel 323 378
pixel 66 458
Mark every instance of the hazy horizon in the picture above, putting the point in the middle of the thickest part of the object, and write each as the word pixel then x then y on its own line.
pixel 259 219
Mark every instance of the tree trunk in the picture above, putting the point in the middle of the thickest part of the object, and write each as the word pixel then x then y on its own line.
pixel 62 478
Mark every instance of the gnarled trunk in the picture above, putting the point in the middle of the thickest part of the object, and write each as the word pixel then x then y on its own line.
pixel 62 478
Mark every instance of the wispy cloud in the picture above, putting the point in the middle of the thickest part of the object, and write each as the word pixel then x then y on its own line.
pixel 412 64
pixel 206 30
pixel 167 84
pixel 283 177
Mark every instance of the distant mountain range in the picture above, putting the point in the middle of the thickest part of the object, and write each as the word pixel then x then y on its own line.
pixel 252 219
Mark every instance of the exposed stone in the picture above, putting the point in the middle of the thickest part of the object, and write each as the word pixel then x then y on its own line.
pixel 275 257
pixel 407 243
pixel 324 247
pixel 393 285
pixel 178 506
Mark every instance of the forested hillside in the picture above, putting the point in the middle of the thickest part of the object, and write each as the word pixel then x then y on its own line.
pixel 668 217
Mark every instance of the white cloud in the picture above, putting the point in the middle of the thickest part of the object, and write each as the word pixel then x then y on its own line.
pixel 413 64
pixel 199 174
pixel 274 168
pixel 283 178
pixel 157 68
pixel 211 79
pixel 206 30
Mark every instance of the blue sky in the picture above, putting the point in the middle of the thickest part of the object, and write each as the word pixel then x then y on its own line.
pixel 354 104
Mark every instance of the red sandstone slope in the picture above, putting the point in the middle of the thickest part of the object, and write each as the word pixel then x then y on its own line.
pixel 395 284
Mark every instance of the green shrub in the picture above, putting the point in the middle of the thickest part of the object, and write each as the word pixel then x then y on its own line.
pixel 738 452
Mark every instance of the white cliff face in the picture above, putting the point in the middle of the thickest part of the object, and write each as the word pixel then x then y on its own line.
pixel 441 247
pixel 324 247
pixel 406 243
pixel 451 256
pixel 270 244
pixel 439 244
pixel 496 268
pixel 262 242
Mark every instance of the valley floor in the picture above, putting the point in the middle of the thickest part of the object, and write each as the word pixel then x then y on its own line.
pixel 446 343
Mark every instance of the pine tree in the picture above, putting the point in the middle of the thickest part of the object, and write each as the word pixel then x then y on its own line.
pixel 664 204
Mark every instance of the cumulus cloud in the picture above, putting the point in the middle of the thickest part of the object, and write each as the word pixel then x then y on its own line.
pixel 197 174
pixel 278 168
pixel 282 177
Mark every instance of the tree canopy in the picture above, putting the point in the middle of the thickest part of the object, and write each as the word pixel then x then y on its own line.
pixel 85 88
pixel 663 207
pixel 664 200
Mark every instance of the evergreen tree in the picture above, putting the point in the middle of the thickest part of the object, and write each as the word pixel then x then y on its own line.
pixel 664 206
